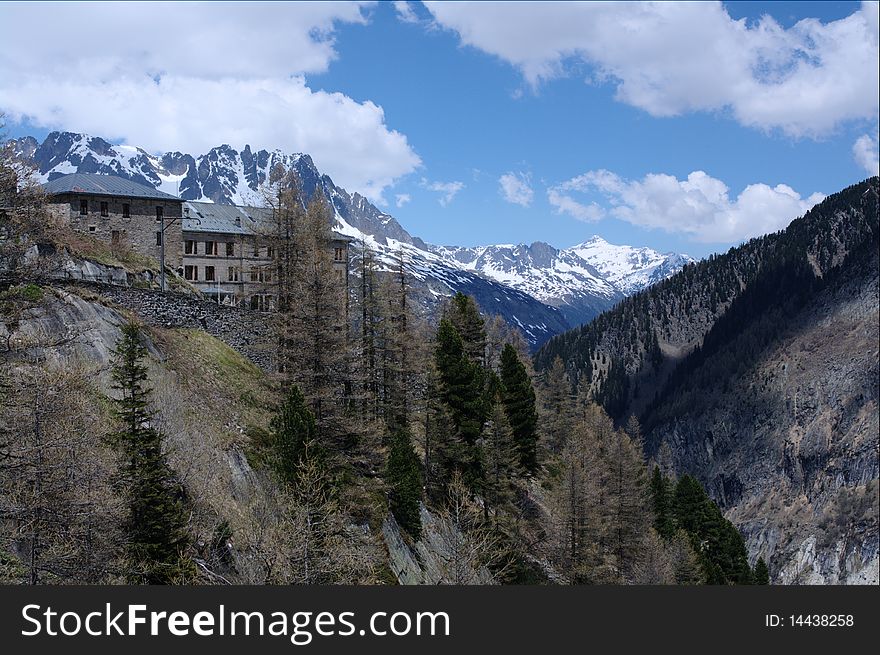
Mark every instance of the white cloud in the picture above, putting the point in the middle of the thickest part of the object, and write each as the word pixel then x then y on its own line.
pixel 699 207
pixel 189 76
pixel 447 190
pixel 516 188
pixel 401 199
pixel 405 12
pixel 865 151
pixel 670 58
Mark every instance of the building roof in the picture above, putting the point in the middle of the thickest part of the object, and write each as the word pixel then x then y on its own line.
pixel 225 219
pixel 104 185
pixel 213 218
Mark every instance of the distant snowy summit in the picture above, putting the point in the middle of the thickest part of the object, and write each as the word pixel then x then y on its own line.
pixel 538 288
pixel 582 280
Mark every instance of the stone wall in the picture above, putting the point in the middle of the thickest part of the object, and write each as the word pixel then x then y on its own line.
pixel 137 230
pixel 248 332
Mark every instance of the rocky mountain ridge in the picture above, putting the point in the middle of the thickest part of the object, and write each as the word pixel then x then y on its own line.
pixel 756 371
pixel 538 288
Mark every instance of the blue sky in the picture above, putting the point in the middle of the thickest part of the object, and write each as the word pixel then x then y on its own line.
pixel 513 123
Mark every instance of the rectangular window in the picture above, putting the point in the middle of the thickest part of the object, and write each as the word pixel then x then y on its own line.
pixel 339 254
pixel 83 207
pixel 92 228
pixel 233 274
pixel 189 247
pixel 270 252
pixel 160 212
pixel 190 272
pixel 126 210
pixel 105 209
pixel 209 273
pixel 340 276
pixel 261 303
pixel 158 238
pixel 210 247
pixel 256 248
pixel 230 249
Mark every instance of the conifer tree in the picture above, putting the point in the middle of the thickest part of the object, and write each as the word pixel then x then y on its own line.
pixel 556 406
pixel 518 397
pixel 463 313
pixel 404 476
pixel 462 389
pixel 661 496
pixel 502 460
pixel 718 543
pixel 315 326
pixel 156 525
pixel 292 428
pixel 574 520
pixel 762 573
pixel 625 507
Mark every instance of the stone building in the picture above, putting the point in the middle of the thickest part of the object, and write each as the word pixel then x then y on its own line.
pixel 224 251
pixel 119 212
pixel 228 253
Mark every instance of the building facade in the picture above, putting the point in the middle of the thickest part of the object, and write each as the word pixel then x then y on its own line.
pixel 228 253
pixel 224 251
pixel 120 212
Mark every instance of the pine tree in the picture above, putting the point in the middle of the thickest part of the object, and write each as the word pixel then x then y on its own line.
pixel 156 526
pixel 518 397
pixel 463 313
pixel 718 543
pixel 404 476
pixel 292 428
pixel 502 460
pixel 575 500
pixel 462 389
pixel 661 496
pixel 315 327
pixel 762 573
pixel 556 406
pixel 626 513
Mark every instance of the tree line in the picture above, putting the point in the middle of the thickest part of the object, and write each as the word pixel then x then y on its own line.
pixel 376 413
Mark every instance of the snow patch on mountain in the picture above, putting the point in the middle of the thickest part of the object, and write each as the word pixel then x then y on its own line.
pixel 629 268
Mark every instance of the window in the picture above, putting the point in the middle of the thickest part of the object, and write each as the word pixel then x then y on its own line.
pixel 158 238
pixel 256 248
pixel 105 209
pixel 83 207
pixel 92 228
pixel 267 276
pixel 339 254
pixel 190 272
pixel 209 273
pixel 189 247
pixel 210 247
pixel 270 252
pixel 160 212
pixel 261 303
pixel 254 275
pixel 126 210
pixel 340 276
pixel 233 274
pixel 230 249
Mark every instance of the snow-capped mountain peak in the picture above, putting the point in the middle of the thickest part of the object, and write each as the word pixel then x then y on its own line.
pixel 629 268
pixel 538 288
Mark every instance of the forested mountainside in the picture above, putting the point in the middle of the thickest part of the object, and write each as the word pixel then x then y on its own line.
pixel 757 371
pixel 135 447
